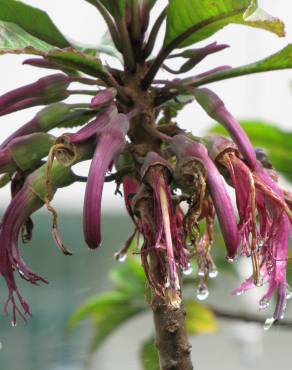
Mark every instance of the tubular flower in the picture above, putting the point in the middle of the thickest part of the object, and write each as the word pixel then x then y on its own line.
pixel 258 196
pixel 195 56
pixel 183 147
pixel 110 144
pixel 46 90
pixel 216 109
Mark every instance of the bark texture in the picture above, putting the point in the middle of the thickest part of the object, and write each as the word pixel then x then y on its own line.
pixel 171 338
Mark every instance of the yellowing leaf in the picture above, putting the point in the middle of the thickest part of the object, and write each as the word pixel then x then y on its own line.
pixel 199 319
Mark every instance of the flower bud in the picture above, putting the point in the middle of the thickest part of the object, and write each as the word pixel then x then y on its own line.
pixel 46 90
pixel 25 152
pixel 103 98
pixel 49 118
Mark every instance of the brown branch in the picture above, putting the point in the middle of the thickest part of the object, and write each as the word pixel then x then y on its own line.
pixel 171 338
pixel 239 316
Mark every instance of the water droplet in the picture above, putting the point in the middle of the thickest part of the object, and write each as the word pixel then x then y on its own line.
pixel 188 270
pixel 1 346
pixel 239 292
pixel 268 323
pixel 261 243
pixel 121 257
pixel 13 324
pixel 288 292
pixel 202 293
pixel 201 273
pixel 259 281
pixel 230 259
pixel 264 304
pixel 213 273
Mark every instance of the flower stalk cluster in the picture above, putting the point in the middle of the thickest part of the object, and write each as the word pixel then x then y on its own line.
pixel 175 185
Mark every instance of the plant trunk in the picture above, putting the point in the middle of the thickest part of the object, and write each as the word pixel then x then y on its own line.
pixel 171 337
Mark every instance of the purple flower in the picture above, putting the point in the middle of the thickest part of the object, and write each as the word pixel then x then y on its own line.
pixel 95 126
pixel 185 147
pixel 44 91
pixel 110 144
pixel 195 56
pixel 23 204
pixel 216 109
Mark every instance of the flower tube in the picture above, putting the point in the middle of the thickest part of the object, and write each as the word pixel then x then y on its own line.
pixel 110 144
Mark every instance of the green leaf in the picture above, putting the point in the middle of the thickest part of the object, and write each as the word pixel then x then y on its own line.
pixel 190 21
pixel 32 20
pixel 277 143
pixel 109 322
pixel 199 319
pixel 75 59
pixel 115 7
pixel 97 306
pixel 129 277
pixel 280 60
pixel 14 39
pixel 149 356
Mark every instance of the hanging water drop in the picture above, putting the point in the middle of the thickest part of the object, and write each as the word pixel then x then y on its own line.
pixel 201 273
pixel 202 293
pixel 239 292
pixel 188 270
pixel 259 282
pixel 268 323
pixel 230 259
pixel 213 273
pixel 13 323
pixel 121 257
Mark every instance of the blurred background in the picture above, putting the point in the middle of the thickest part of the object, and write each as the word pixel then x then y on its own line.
pixel 44 343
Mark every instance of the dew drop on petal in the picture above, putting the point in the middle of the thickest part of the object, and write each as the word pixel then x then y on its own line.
pixel 213 273
pixel 239 292
pixel 268 323
pixel 230 259
pixel 202 293
pixel 188 270
pixel 13 324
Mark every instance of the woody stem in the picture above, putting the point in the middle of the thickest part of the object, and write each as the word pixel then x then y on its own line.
pixel 171 337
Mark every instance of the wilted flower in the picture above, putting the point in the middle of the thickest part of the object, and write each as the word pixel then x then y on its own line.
pixel 185 147
pixel 258 196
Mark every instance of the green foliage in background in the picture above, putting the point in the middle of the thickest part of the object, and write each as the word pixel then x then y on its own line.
pixel 110 310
